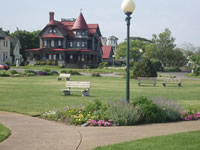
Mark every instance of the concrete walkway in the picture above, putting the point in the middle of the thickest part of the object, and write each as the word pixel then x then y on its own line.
pixel 30 133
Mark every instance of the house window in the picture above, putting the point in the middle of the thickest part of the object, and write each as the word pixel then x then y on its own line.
pixel 54 31
pixel 71 44
pixel 52 43
pixel 83 44
pixel 4 43
pixel 60 57
pixel 59 43
pixel 50 31
pixel 45 43
pixel 83 33
pixel 54 56
pixel 78 33
pixel 78 44
pixel 49 56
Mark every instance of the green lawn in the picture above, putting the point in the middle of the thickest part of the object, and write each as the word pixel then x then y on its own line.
pixel 33 95
pixel 183 141
pixel 4 132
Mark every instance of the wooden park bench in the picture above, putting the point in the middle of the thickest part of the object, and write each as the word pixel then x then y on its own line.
pixel 65 76
pixel 82 86
pixel 147 80
pixel 171 80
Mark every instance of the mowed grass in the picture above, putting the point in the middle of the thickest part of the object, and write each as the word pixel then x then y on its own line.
pixel 4 132
pixel 33 95
pixel 183 141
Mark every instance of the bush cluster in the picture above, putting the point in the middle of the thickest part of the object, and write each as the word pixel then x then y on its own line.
pixel 94 110
pixel 95 74
pixel 47 62
pixel 158 110
pixel 103 65
pixel 144 69
pixel 141 111
pixel 72 72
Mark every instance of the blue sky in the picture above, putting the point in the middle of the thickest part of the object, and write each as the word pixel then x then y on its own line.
pixel 150 16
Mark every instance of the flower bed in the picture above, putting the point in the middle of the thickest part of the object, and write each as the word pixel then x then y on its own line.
pixel 142 111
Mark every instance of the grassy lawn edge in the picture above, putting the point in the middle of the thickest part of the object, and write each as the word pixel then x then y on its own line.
pixel 183 141
pixel 4 132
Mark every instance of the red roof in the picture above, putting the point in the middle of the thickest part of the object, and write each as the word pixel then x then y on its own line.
pixel 68 26
pixel 52 36
pixel 80 23
pixel 106 51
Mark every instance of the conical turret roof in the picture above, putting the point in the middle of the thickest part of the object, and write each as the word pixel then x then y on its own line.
pixel 80 23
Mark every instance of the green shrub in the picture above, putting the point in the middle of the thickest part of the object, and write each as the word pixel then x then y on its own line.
pixel 157 65
pixel 103 65
pixel 123 113
pixel 95 74
pixel 30 72
pixel 4 73
pixel 172 69
pixel 72 72
pixel 53 62
pixel 144 69
pixel 150 112
pixel 13 72
pixel 54 73
pixel 48 62
pixel 42 62
pixel 37 63
pixel 172 110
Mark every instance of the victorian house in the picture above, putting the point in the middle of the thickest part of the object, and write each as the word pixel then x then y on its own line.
pixel 69 42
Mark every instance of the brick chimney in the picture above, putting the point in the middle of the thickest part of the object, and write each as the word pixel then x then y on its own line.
pixel 51 16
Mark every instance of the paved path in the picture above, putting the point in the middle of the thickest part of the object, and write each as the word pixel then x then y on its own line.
pixel 30 133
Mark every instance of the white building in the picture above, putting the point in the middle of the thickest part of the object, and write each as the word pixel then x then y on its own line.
pixel 5 44
pixel 9 48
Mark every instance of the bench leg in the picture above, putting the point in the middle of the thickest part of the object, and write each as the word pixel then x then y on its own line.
pixel 85 93
pixel 164 84
pixel 66 92
pixel 179 84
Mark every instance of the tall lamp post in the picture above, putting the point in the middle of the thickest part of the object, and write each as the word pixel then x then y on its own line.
pixel 128 6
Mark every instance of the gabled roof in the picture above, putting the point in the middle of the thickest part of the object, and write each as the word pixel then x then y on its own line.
pixel 67 26
pixel 80 23
pixel 107 51
pixel 15 42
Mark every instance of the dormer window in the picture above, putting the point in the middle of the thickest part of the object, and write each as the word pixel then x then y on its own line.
pixel 50 31
pixel 54 31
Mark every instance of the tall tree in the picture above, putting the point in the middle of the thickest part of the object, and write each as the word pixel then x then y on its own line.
pixel 162 48
pixel 137 48
pixel 28 40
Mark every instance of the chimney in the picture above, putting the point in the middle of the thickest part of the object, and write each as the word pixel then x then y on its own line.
pixel 51 16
